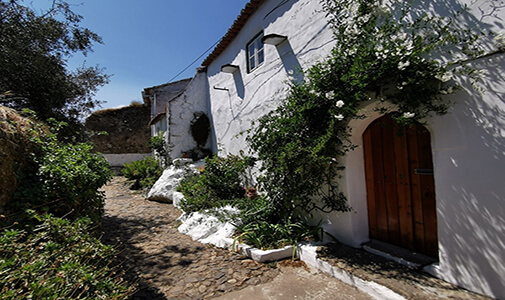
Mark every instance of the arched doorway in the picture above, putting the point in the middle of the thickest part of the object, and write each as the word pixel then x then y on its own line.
pixel 400 185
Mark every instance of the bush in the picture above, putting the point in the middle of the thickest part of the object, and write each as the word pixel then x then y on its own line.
pixel 263 234
pixel 58 260
pixel 62 179
pixel 223 181
pixel 159 146
pixel 145 172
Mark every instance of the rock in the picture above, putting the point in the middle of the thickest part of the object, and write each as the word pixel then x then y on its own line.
pixel 181 162
pixel 165 186
pixel 16 142
pixel 208 229
pixel 202 289
pixel 177 198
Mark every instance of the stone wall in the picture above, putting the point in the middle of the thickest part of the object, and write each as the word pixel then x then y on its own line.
pixel 127 128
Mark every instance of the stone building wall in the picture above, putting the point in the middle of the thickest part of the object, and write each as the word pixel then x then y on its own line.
pixel 127 128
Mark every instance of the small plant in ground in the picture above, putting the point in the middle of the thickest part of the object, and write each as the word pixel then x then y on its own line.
pixel 159 146
pixel 264 234
pixel 145 172
pixel 58 260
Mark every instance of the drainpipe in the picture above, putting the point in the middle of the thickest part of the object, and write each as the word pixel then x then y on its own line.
pixel 168 113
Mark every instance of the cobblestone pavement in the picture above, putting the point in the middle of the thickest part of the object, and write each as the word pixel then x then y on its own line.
pixel 166 264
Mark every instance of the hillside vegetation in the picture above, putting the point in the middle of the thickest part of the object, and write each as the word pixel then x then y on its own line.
pixel 49 207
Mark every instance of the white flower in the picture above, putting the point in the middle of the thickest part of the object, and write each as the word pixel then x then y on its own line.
pixel 500 39
pixel 403 65
pixel 340 103
pixel 408 115
pixel 291 72
pixel 330 95
pixel 444 77
pixel 315 93
pixel 483 72
pixel 339 117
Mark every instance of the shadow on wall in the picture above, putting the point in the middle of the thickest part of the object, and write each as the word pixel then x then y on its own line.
pixel 472 215
pixel 480 15
pixel 290 62
pixel 239 84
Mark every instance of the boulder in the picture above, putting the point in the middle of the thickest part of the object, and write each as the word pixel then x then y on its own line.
pixel 207 228
pixel 177 198
pixel 166 185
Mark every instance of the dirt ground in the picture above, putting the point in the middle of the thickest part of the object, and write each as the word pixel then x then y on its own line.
pixel 165 264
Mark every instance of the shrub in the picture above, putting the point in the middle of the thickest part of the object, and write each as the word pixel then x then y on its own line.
pixel 62 179
pixel 145 172
pixel 58 260
pixel 263 234
pixel 221 182
pixel 159 146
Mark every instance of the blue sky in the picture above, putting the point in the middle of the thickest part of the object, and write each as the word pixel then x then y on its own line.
pixel 147 42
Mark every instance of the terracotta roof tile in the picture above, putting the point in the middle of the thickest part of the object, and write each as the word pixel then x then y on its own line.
pixel 233 31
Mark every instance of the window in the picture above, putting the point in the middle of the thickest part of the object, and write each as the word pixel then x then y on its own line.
pixel 255 54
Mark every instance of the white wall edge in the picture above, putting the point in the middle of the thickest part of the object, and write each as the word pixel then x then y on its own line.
pixel 118 160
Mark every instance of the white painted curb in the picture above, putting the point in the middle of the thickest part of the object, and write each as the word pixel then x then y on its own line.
pixel 265 255
pixel 308 254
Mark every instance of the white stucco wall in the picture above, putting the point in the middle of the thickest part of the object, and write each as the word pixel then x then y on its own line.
pixel 181 111
pixel 468 143
pixel 468 147
pixel 118 160
pixel 251 95
pixel 469 162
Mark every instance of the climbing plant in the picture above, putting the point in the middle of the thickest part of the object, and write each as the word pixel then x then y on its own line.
pixel 396 54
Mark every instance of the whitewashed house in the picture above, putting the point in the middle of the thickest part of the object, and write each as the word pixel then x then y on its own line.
pixel 453 200
pixel 179 112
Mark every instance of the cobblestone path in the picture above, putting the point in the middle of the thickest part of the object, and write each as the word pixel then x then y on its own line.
pixel 164 262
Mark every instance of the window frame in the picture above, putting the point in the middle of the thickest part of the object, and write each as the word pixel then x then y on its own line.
pixel 257 58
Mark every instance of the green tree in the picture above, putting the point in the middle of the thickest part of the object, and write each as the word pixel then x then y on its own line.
pixel 34 50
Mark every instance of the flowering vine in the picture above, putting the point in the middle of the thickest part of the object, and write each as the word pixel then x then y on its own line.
pixel 392 53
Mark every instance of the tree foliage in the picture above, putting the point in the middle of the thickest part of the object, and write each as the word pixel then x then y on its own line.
pixel 34 50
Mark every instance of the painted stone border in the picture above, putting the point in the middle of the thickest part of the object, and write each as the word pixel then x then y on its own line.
pixel 207 229
pixel 308 254
pixel 266 255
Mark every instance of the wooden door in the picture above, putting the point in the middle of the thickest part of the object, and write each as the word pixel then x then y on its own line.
pixel 400 185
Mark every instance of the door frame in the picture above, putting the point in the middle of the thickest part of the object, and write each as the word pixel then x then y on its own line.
pixel 353 228
pixel 401 202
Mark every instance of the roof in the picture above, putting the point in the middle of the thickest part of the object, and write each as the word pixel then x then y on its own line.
pixel 233 31
pixel 164 94
pixel 170 87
